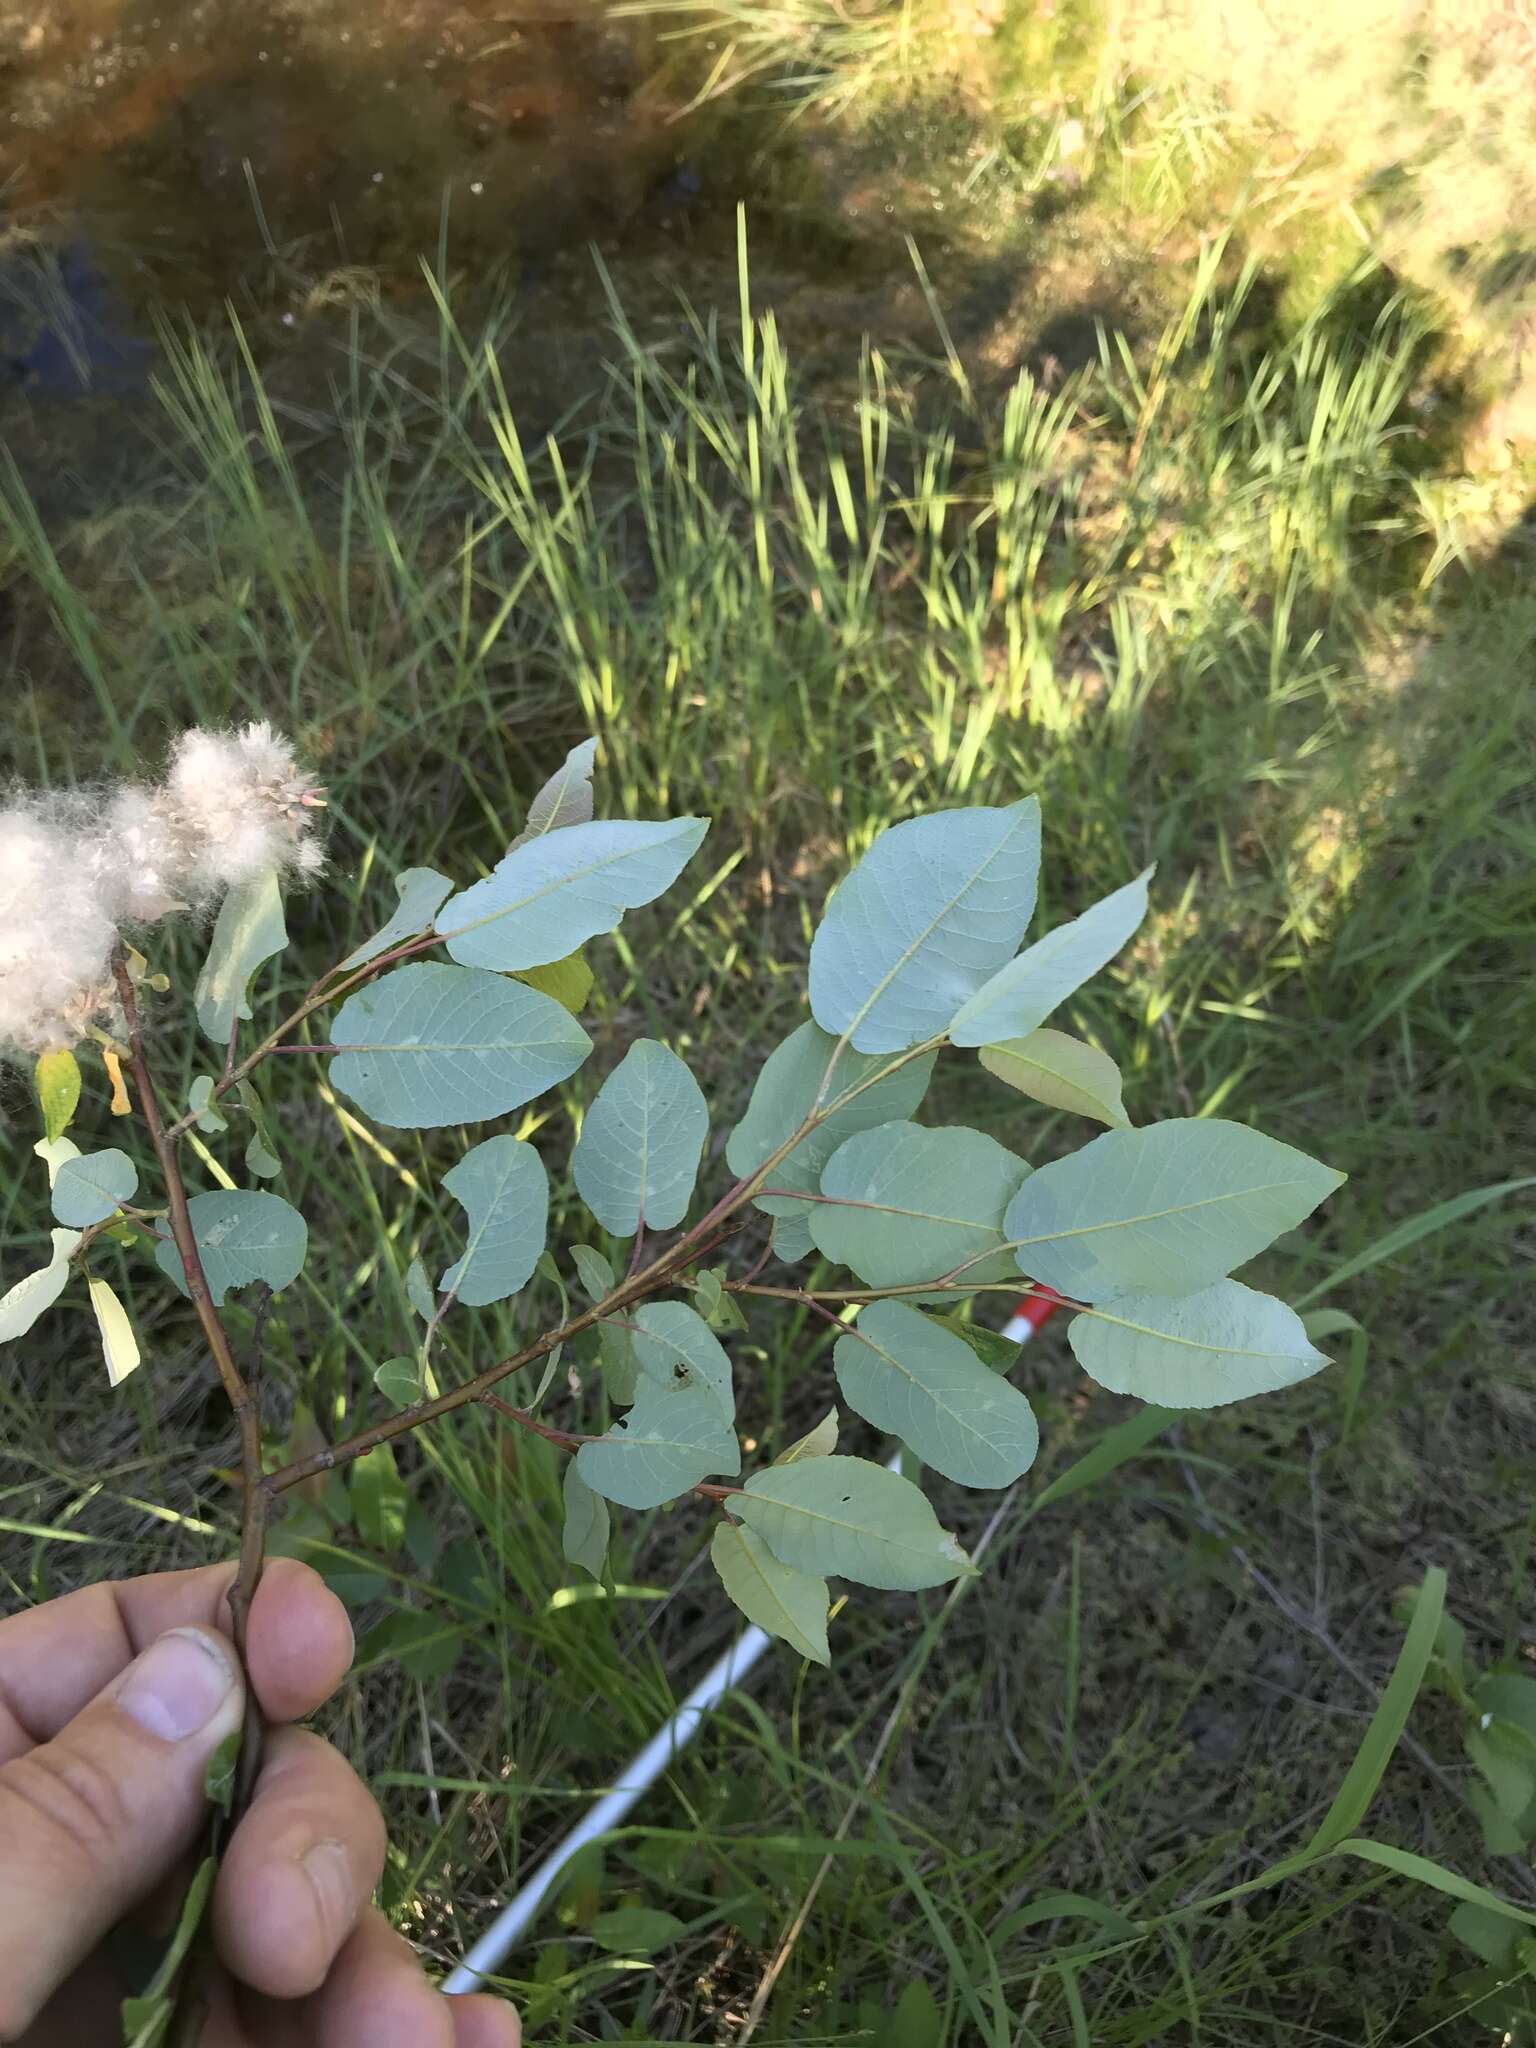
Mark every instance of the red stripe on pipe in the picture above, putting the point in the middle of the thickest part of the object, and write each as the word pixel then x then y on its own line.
pixel 1032 1313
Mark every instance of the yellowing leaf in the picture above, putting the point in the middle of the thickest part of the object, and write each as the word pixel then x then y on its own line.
pixel 57 1078
pixel 819 1442
pixel 119 1345
pixel 1054 1068
pixel 569 981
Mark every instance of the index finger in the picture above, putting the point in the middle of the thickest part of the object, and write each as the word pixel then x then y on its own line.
pixel 56 1658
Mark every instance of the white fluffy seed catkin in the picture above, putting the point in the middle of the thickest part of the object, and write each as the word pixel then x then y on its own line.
pixel 78 871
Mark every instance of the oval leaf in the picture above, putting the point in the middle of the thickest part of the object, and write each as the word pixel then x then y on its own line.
pixel 399 1381
pixel 505 1190
pixel 248 931
pixel 641 1142
pixel 819 1442
pixel 422 893
pixel 777 1599
pixel 1060 1071
pixel 1023 994
pixel 847 1516
pixel 787 1088
pixel 621 1374
pixel 1167 1209
pixel 584 1539
pixel 35 1293
pixel 912 1204
pixel 1197 1351
pixel 636 1930
pixel 565 800
pixel 119 1346
pixel 556 892
pixel 932 911
pixel 593 1271
pixel 57 1080
pixel 88 1189
pixel 429 1045
pixel 907 1375
pixel 665 1444
pixel 676 1348
pixel 243 1234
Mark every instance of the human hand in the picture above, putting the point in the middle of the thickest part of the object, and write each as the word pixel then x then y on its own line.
pixel 112 1701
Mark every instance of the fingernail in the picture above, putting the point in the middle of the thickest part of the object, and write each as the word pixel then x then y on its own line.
pixel 328 1868
pixel 177 1686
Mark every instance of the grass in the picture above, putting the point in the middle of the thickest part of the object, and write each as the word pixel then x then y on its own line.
pixel 1193 594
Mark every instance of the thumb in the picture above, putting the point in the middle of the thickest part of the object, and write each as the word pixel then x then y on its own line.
pixel 92 1821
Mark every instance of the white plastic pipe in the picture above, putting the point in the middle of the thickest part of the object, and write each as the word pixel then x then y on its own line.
pixel 727 1672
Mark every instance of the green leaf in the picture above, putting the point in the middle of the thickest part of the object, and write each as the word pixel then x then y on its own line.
pixel 56 1078
pixel 917 1380
pixel 243 1234
pixel 584 1539
pixel 621 1373
pixel 1060 1071
pixel 146 2018
pixel 565 800
pixel 1509 1695
pixel 641 1142
pixel 667 1443
pixel 248 931
pixel 119 1346
pixel 569 981
pixel 418 1290
pixel 1506 1766
pixel 1020 996
pixel 378 1500
pixel 505 1191
pixel 819 1442
pixel 916 2021
pixel 219 1773
pixel 422 893
pixel 200 1100
pixel 1195 1350
pixel 1164 1210
pixel 787 1088
pixel 676 1348
pixel 852 1518
pixel 779 1600
pixel 593 1271
pixel 791 1236
pixel 718 1308
pixel 259 1160
pixel 910 1203
pixel 425 1646
pixel 997 1352
pixel 399 1381
pixel 88 1189
pixel 556 892
pixel 35 1293
pixel 932 911
pixel 635 1930
pixel 260 1154
pixel 430 1045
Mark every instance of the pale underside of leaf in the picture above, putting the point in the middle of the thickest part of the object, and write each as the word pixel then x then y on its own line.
pixel 907 1375
pixel 36 1292
pixel 782 1602
pixel 666 1444
pixel 1021 995
pixel 120 1348
pixel 932 911
pixel 422 893
pixel 807 1065
pixel 907 1203
pixel 676 1348
pixel 584 1537
pixel 1197 1350
pixel 243 1234
pixel 505 1192
pixel 430 1045
pixel 1166 1209
pixel 90 1187
pixel 1062 1072
pixel 638 1155
pixel 556 892
pixel 852 1518
pixel 248 931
